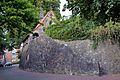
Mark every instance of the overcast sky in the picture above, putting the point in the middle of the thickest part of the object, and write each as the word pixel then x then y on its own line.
pixel 65 13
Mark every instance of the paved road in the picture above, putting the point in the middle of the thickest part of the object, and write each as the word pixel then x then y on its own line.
pixel 14 73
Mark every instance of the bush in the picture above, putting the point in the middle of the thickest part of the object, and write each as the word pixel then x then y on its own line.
pixel 72 29
pixel 109 31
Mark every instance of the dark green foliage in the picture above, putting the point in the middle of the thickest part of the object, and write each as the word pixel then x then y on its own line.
pixel 17 18
pixel 99 10
pixel 72 29
pixel 1 39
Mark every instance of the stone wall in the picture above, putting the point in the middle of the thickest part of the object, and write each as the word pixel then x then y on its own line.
pixel 44 54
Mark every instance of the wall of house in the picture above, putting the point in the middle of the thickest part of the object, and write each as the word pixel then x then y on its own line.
pixel 8 56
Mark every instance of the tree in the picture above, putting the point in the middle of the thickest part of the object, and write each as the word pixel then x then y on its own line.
pixel 1 40
pixel 54 5
pixel 99 10
pixel 17 18
pixel 48 5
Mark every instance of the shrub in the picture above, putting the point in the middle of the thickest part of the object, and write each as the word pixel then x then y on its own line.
pixel 72 29
pixel 109 31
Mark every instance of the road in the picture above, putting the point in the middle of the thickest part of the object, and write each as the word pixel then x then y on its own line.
pixel 14 73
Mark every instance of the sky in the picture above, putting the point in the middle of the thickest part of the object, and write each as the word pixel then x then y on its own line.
pixel 65 13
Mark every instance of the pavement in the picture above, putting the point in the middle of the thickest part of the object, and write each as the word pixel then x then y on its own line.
pixel 14 73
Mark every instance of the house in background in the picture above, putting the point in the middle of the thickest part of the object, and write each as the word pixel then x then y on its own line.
pixel 15 55
pixel 11 56
pixel 8 56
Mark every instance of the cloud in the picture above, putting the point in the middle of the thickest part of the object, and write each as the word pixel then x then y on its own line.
pixel 65 13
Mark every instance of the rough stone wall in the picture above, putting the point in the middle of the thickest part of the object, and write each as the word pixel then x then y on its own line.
pixel 76 57
pixel 45 55
pixel 103 60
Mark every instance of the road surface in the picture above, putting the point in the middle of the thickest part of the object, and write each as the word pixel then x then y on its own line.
pixel 14 73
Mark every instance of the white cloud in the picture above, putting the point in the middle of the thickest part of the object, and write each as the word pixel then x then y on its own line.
pixel 65 13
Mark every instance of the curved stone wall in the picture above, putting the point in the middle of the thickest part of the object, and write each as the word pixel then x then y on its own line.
pixel 44 54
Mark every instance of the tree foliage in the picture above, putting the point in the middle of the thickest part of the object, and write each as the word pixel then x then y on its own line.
pixel 100 10
pixel 1 40
pixel 17 18
pixel 48 5
pixel 51 5
pixel 72 29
